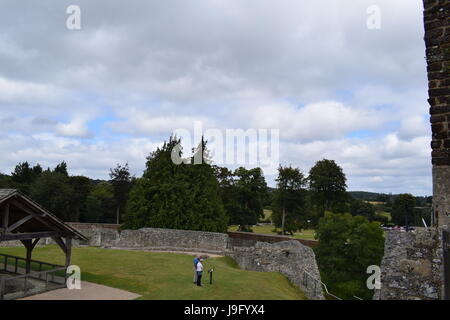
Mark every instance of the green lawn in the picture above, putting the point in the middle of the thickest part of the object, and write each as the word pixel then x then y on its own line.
pixel 168 276
pixel 268 229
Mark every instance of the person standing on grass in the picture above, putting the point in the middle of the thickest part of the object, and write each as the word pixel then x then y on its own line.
pixel 196 260
pixel 199 272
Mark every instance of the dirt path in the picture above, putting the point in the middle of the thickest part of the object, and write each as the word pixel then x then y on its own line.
pixel 88 291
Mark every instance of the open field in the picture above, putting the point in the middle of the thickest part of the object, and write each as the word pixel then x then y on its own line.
pixel 160 276
pixel 269 229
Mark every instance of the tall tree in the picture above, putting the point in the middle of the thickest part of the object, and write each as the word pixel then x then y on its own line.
pixel 328 184
pixel 347 246
pixel 121 181
pixel 100 204
pixel 24 176
pixel 180 195
pixel 362 208
pixel 228 192
pixel 251 189
pixel 81 187
pixel 62 168
pixel 403 209
pixel 289 205
pixel 53 191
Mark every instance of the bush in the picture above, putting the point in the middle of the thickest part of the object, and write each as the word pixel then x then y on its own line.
pixel 347 246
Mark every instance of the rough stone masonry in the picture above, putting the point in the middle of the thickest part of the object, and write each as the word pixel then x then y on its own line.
pixel 413 265
pixel 437 41
pixel 291 258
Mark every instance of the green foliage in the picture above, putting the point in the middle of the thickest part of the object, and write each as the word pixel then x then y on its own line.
pixel 100 204
pixel 81 188
pixel 24 176
pixel 403 208
pixel 348 245
pixel 243 193
pixel 251 190
pixel 328 184
pixel 362 208
pixel 176 196
pixel 62 169
pixel 53 191
pixel 290 200
pixel 121 182
pixel 5 181
pixel 381 218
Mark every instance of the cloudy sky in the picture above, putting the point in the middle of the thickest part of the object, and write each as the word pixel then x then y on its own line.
pixel 137 70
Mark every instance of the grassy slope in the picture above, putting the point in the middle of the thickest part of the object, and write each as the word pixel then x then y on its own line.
pixel 168 275
pixel 269 229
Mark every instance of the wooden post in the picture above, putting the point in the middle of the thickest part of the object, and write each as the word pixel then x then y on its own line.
pixel 68 251
pixel 5 217
pixel 29 245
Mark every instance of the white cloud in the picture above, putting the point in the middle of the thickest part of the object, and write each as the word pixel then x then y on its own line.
pixel 139 70
pixel 20 92
pixel 75 128
pixel 327 120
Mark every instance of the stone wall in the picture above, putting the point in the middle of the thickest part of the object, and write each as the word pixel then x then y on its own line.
pixel 292 259
pixel 155 239
pixel 248 239
pixel 437 41
pixel 164 239
pixel 412 266
pixel 286 256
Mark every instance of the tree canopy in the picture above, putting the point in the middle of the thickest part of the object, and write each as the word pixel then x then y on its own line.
pixel 289 201
pixel 347 246
pixel 176 196
pixel 328 183
pixel 403 208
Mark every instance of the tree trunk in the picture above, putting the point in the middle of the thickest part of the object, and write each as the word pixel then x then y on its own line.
pixel 118 215
pixel 282 221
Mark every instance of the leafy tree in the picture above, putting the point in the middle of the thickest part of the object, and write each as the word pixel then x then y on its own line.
pixel 176 196
pixel 5 182
pixel 53 191
pixel 289 205
pixel 228 192
pixel 121 181
pixel 81 187
pixel 402 209
pixel 251 190
pixel 328 184
pixel 362 208
pixel 100 204
pixel 24 176
pixel 62 168
pixel 347 246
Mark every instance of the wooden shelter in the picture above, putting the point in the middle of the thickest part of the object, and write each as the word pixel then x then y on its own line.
pixel 22 219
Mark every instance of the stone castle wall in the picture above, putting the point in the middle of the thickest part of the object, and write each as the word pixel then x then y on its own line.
pixel 412 266
pixel 437 41
pixel 290 258
pixel 248 239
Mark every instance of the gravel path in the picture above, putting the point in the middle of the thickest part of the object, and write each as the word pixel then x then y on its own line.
pixel 88 291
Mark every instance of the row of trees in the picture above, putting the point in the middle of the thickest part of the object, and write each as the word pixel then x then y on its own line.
pixel 299 201
pixel 72 198
pixel 206 197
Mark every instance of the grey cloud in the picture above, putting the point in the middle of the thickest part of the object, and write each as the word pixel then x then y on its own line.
pixel 151 65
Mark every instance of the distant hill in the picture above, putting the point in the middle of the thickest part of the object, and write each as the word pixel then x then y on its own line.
pixel 369 196
pixel 421 201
